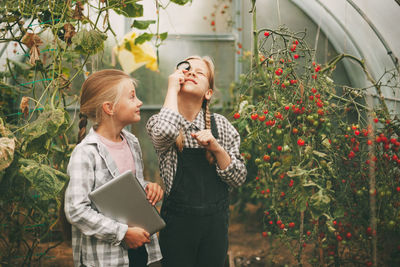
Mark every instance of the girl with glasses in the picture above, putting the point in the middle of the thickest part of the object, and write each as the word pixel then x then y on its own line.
pixel 199 161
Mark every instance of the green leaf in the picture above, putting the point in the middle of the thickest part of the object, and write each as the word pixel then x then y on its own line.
pixel 181 2
pixel 48 182
pixel 131 9
pixel 39 133
pixel 319 154
pixel 310 183
pixel 319 204
pixel 297 171
pixel 328 185
pixel 339 212
pixel 287 160
pixel 301 202
pixel 143 38
pixel 89 42
pixel 142 24
pixel 128 46
pixel 164 36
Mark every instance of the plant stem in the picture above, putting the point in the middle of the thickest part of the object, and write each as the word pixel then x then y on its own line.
pixel 333 63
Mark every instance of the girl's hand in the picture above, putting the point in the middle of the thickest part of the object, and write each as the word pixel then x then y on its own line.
pixel 154 193
pixel 136 237
pixel 207 140
pixel 175 80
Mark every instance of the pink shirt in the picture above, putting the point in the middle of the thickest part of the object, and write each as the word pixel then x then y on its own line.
pixel 120 153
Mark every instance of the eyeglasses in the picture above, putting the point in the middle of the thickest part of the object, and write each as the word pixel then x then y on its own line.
pixel 183 65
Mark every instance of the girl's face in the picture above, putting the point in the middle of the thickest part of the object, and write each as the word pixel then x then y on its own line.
pixel 127 109
pixel 196 79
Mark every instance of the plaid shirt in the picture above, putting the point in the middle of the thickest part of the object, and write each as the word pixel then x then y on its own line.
pixel 163 129
pixel 96 239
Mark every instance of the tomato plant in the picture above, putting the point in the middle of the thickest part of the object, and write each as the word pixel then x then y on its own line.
pixel 328 159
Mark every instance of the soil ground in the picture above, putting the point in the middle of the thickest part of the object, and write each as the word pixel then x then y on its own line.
pixel 247 247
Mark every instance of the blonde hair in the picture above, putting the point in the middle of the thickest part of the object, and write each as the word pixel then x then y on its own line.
pixel 99 87
pixel 207 117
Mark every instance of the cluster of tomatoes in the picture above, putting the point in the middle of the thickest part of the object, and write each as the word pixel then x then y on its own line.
pixel 308 158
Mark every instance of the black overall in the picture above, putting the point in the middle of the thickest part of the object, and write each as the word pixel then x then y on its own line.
pixel 196 214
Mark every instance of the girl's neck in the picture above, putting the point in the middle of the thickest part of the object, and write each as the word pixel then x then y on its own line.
pixel 189 108
pixel 111 132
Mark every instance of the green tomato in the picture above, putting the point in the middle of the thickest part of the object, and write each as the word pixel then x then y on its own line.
pixel 315 123
pixel 391 224
pixel 278 131
pixel 257 161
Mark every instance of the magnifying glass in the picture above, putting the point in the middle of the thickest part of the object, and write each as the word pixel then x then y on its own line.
pixel 183 65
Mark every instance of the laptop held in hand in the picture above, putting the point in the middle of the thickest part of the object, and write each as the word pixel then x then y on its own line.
pixel 124 199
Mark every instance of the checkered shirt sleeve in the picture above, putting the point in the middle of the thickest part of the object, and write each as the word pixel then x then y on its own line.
pixel 163 129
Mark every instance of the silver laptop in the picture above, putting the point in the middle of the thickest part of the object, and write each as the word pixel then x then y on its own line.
pixel 124 199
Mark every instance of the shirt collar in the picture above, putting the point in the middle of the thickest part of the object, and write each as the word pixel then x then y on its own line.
pixel 197 123
pixel 93 138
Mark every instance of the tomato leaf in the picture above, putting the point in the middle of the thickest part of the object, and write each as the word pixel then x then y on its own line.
pixel 319 154
pixel 301 202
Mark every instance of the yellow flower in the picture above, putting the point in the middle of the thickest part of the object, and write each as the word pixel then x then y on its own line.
pixel 132 56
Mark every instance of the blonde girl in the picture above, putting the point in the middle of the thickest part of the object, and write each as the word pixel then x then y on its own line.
pixel 199 160
pixel 109 99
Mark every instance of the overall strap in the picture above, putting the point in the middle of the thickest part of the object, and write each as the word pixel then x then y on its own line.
pixel 214 129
